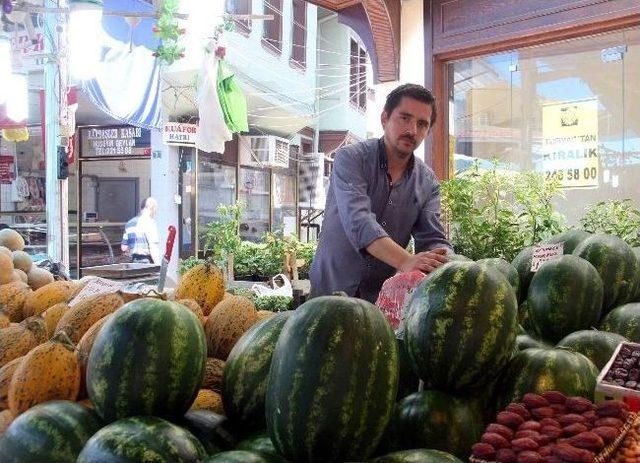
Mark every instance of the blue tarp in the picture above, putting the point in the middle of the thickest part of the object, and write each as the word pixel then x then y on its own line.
pixel 127 83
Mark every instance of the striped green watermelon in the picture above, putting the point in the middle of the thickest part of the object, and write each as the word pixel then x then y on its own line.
pixel 522 263
pixel 211 429
pixel 333 381
pixel 624 320
pixel 243 456
pixel 142 439
pixel 539 370
pixel 260 443
pixel 617 265
pixel 435 420
pixel 636 251
pixel 461 326
pixel 51 432
pixel 565 295
pixel 408 381
pixel 244 383
pixel 571 239
pixel 504 267
pixel 597 346
pixel 417 456
pixel 148 359
pixel 524 341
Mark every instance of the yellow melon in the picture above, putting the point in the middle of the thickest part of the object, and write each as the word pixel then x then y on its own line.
pixel 208 400
pixel 18 339
pixel 11 239
pixel 226 323
pixel 195 308
pixel 48 295
pixel 77 320
pixel 19 275
pixel 83 349
pixel 22 261
pixel 6 373
pixel 6 418
pixel 204 283
pixel 39 277
pixel 7 251
pixel 12 299
pixel 53 315
pixel 6 269
pixel 212 379
pixel 4 319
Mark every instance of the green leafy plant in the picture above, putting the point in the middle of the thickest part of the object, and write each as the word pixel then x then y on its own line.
pixel 616 217
pixel 186 264
pixel 222 237
pixel 168 30
pixel 497 212
pixel 274 303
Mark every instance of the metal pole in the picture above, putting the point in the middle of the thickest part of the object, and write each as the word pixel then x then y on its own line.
pixel 56 190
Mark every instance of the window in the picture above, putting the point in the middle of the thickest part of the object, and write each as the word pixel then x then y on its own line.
pixel 358 76
pixel 299 39
pixel 272 36
pixel 240 7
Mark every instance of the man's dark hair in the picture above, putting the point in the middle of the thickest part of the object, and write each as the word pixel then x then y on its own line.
pixel 415 91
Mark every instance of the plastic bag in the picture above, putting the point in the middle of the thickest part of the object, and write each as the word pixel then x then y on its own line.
pixel 395 293
pixel 284 290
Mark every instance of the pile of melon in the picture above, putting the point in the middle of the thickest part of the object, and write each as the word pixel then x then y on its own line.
pixel 46 339
pixel 16 264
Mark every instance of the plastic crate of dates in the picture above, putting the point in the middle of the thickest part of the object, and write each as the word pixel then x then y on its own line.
pixel 552 428
pixel 620 378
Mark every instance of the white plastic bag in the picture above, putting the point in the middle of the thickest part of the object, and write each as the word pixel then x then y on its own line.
pixel 284 290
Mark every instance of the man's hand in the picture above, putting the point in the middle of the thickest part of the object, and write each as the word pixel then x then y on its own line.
pixel 426 261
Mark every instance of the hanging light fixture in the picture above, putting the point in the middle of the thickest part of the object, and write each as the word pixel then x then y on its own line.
pixel 18 97
pixel 5 67
pixel 85 37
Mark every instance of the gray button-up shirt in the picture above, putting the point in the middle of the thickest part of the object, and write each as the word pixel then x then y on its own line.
pixel 362 206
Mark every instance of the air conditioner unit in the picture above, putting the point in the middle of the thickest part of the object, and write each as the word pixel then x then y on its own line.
pixel 264 151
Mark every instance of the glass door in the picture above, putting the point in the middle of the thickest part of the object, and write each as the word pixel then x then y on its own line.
pixel 186 186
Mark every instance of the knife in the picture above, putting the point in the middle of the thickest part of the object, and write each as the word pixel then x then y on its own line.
pixel 167 256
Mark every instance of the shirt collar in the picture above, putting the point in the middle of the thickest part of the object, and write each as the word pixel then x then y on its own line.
pixel 383 162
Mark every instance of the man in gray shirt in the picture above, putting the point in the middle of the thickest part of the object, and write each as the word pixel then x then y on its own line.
pixel 379 196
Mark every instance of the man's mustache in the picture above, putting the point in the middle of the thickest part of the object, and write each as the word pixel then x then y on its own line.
pixel 407 137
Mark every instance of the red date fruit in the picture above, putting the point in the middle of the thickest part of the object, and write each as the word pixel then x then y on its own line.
pixel 545 451
pixel 552 431
pixel 527 433
pixel 578 405
pixel 543 412
pixel 573 429
pixel 495 440
pixel 532 400
pixel 483 451
pixel 607 433
pixel 509 419
pixel 587 440
pixel 591 416
pixel 530 426
pixel 611 408
pixel 613 422
pixel 571 418
pixel 524 443
pixel 500 429
pixel 554 397
pixel 505 456
pixel 529 457
pixel 568 452
pixel 518 409
pixel 550 422
pixel 551 459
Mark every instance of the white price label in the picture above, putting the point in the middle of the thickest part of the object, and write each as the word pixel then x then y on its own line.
pixel 545 253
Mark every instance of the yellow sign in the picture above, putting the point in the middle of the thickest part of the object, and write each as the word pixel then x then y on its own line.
pixel 570 143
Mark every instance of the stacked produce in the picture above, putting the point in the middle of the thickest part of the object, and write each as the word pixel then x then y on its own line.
pixel 625 369
pixel 204 376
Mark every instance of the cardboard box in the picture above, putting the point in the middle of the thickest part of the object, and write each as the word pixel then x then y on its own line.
pixel 607 391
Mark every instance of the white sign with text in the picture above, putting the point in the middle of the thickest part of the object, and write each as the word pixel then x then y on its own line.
pixel 545 253
pixel 179 134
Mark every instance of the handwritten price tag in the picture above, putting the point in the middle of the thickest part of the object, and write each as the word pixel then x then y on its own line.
pixel 545 253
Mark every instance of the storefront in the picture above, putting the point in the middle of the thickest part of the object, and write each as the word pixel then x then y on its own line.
pixel 209 180
pixel 548 86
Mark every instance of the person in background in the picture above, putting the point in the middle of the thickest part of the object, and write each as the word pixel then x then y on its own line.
pixel 380 195
pixel 141 240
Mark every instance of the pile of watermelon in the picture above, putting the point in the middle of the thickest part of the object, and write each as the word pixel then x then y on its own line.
pixel 330 382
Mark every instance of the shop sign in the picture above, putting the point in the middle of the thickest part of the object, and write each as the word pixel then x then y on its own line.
pixel 6 170
pixel 179 134
pixel 115 141
pixel 570 143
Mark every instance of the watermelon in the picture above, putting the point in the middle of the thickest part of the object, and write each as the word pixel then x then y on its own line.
pixel 244 382
pixel 260 443
pixel 142 439
pixel 408 381
pixel 504 267
pixel 617 265
pixel 597 346
pixel 524 341
pixel 211 429
pixel 571 239
pixel 565 295
pixel 636 251
pixel 243 456
pixel 437 420
pixel 461 326
pixel 624 320
pixel 522 263
pixel 333 380
pixel 417 456
pixel 540 370
pixel 148 359
pixel 51 432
